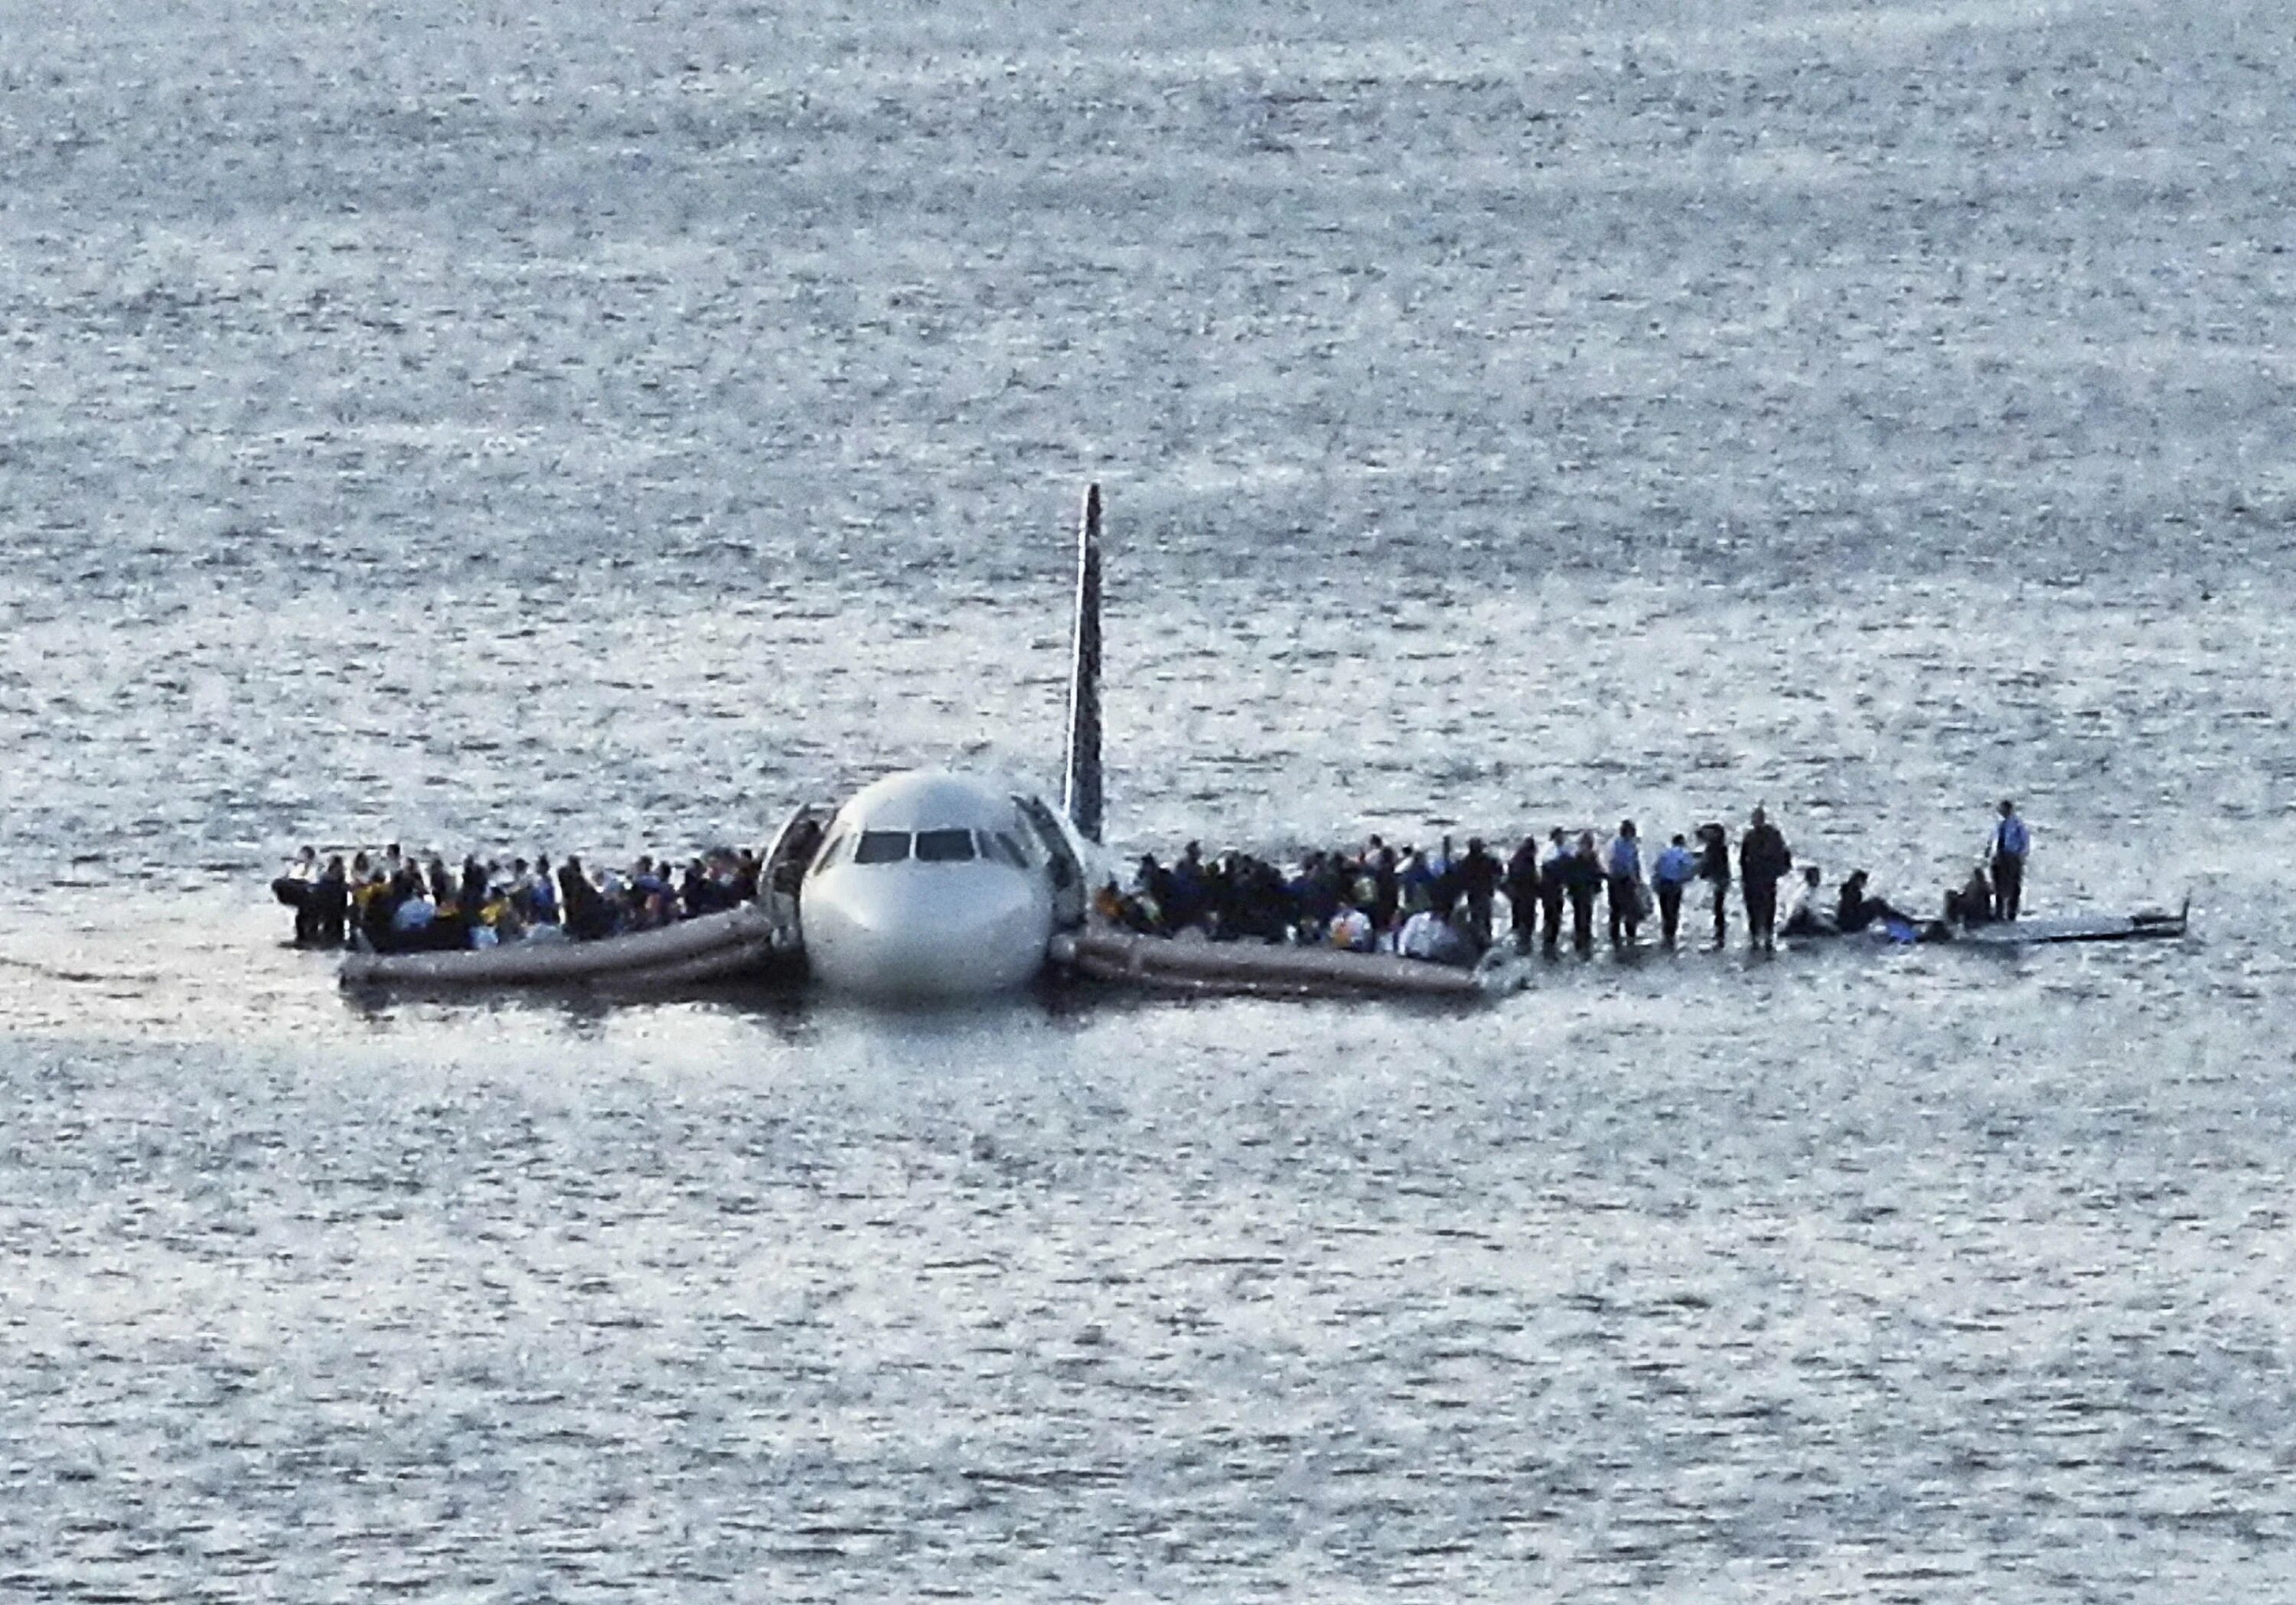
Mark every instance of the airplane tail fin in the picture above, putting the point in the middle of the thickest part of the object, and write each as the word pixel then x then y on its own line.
pixel 1081 796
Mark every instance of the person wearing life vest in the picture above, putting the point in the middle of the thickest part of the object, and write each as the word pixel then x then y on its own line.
pixel 2012 840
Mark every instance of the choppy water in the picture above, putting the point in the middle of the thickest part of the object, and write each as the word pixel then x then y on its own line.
pixel 596 432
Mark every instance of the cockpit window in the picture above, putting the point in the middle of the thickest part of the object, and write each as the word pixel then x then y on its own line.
pixel 1003 848
pixel 944 846
pixel 882 847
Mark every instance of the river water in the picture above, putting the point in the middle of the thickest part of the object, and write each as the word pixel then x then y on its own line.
pixel 596 432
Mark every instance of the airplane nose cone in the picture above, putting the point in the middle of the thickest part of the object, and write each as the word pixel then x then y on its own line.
pixel 928 932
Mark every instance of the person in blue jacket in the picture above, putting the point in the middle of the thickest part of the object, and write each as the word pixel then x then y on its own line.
pixel 2012 841
pixel 1675 870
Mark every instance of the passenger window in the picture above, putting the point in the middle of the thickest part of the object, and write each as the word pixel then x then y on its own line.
pixel 945 847
pixel 882 847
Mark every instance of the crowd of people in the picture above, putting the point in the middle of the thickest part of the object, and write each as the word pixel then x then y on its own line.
pixel 1438 904
pixel 1443 904
pixel 396 902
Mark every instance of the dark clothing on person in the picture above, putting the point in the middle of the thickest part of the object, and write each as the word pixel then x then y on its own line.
pixel 699 892
pixel 1763 861
pixel 1582 876
pixel 1626 909
pixel 2008 885
pixel 584 909
pixel 1522 893
pixel 1972 904
pixel 1669 909
pixel 1387 888
pixel 1855 911
pixel 297 894
pixel 2012 840
pixel 788 870
pixel 1714 869
pixel 1551 879
pixel 1761 911
pixel 1260 907
pixel 376 914
pixel 329 902
pixel 1157 881
pixel 1479 878
pixel 1445 891
pixel 1185 898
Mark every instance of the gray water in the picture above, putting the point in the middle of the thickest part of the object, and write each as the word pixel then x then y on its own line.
pixel 596 432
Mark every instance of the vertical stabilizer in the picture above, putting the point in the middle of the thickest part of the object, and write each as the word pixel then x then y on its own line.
pixel 1081 794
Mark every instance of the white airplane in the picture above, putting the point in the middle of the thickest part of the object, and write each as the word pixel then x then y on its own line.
pixel 927 885
pixel 931 884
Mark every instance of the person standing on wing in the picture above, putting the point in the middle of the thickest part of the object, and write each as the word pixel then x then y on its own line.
pixel 1522 893
pixel 1674 871
pixel 1624 877
pixel 1582 878
pixel 1553 881
pixel 1714 869
pixel 2011 842
pixel 1763 861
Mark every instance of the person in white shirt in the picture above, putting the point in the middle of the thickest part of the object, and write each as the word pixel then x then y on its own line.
pixel 294 889
pixel 1352 929
pixel 1429 936
pixel 1809 916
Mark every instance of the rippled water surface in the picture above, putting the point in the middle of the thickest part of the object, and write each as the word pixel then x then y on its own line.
pixel 597 433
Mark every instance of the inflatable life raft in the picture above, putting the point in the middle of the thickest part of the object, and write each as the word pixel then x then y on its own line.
pixel 1179 964
pixel 740 944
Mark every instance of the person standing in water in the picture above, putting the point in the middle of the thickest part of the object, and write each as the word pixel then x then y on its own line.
pixel 2011 842
pixel 1763 861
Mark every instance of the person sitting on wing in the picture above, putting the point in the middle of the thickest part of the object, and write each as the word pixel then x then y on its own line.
pixel 1809 916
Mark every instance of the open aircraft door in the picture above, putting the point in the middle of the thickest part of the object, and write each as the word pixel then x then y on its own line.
pixel 787 859
pixel 1065 868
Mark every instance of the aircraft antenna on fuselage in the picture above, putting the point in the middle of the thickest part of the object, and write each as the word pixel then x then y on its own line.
pixel 1081 794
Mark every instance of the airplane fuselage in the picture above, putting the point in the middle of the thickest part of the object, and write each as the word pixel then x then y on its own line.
pixel 933 885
